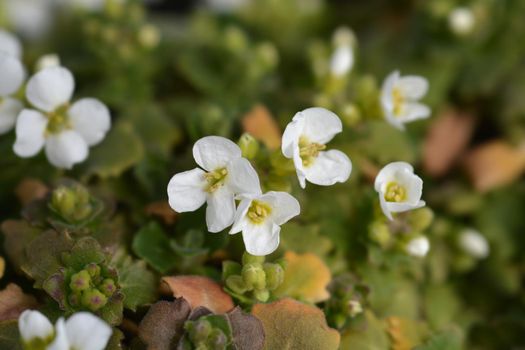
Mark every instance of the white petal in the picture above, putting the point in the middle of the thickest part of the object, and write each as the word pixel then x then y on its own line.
pixel 12 74
pixel 10 44
pixel 32 324
pixel 50 88
pixel 388 172
pixel 291 135
pixel 66 149
pixel 91 119
pixel 30 18
pixel 60 342
pixel 242 177
pixel 30 133
pixel 299 168
pixel 239 221
pixel 384 206
pixel 186 190
pixel 262 239
pixel 220 211
pixel 412 87
pixel 212 152
pixel 85 331
pixel 284 206
pixel 342 60
pixel 320 124
pixel 328 168
pixel 395 121
pixel 398 207
pixel 418 247
pixel 386 91
pixel 9 110
pixel 413 111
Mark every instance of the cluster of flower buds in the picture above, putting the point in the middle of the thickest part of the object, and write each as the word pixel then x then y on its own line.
pixel 348 297
pixel 72 203
pixel 204 336
pixel 91 287
pixel 255 279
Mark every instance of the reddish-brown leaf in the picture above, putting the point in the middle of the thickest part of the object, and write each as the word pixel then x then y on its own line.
pixel 13 302
pixel 162 210
pixel 29 190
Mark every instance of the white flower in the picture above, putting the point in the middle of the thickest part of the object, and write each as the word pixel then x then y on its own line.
pixel 473 242
pixel 418 247
pixel 12 75
pixel 47 61
pixel 399 99
pixel 82 331
pixel 259 218
pixel 65 131
pixel 342 59
pixel 225 175
pixel 30 18
pixel 10 44
pixel 461 21
pixel 304 141
pixel 399 188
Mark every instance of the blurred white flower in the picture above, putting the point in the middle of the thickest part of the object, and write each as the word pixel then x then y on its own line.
pixel 225 6
pixel 82 331
pixel 10 44
pixel 473 242
pixel 31 18
pixel 12 75
pixel 342 59
pixel 226 174
pixel 399 188
pixel 259 218
pixel 418 247
pixel 461 21
pixel 304 141
pixel 47 61
pixel 66 131
pixel 399 99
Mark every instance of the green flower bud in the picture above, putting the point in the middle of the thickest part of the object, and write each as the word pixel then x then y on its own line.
pixel 247 258
pixel 217 340
pixel 198 330
pixel 249 146
pixel 80 281
pixel 236 284
pixel 274 275
pixel 379 233
pixel 93 299
pixel 253 275
pixel 262 295
pixel 74 299
pixel 267 54
pixel 93 269
pixel 235 39
pixel 63 201
pixel 421 219
pixel 350 114
pixel 108 287
pixel 149 36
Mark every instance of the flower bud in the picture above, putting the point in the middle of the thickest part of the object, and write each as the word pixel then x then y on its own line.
pixel 274 275
pixel 72 203
pixel 198 330
pixel 235 39
pixel 354 308
pixel 262 295
pixel 418 247
pixel 236 284
pixel 149 36
pixel 217 340
pixel 247 258
pixel 253 275
pixel 93 269
pixel 80 281
pixel 108 287
pixel 63 201
pixel 93 299
pixel 379 233
pixel 249 146
pixel 421 219
pixel 350 114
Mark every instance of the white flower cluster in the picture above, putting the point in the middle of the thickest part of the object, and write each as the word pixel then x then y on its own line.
pixel 64 130
pixel 226 177
pixel 82 331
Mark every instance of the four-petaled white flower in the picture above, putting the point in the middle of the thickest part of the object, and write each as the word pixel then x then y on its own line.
pixel 82 331
pixel 12 75
pixel 418 246
pixel 259 218
pixel 473 242
pixel 66 131
pixel 399 188
pixel 399 99
pixel 225 175
pixel 304 141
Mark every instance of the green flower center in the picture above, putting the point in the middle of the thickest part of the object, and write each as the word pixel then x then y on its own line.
pixel 398 101
pixel 395 192
pixel 215 179
pixel 258 212
pixel 58 120
pixel 308 151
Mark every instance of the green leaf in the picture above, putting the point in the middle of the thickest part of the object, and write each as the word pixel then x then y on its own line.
pixel 373 336
pixel 447 340
pixel 85 251
pixel 441 305
pixel 137 283
pixel 9 336
pixel 121 149
pixel 153 245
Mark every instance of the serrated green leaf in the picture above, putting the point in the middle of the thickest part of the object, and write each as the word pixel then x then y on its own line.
pixel 153 245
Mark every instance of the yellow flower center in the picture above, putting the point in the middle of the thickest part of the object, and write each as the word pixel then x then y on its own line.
pixel 58 120
pixel 308 151
pixel 259 211
pixel 215 179
pixel 398 101
pixel 395 192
